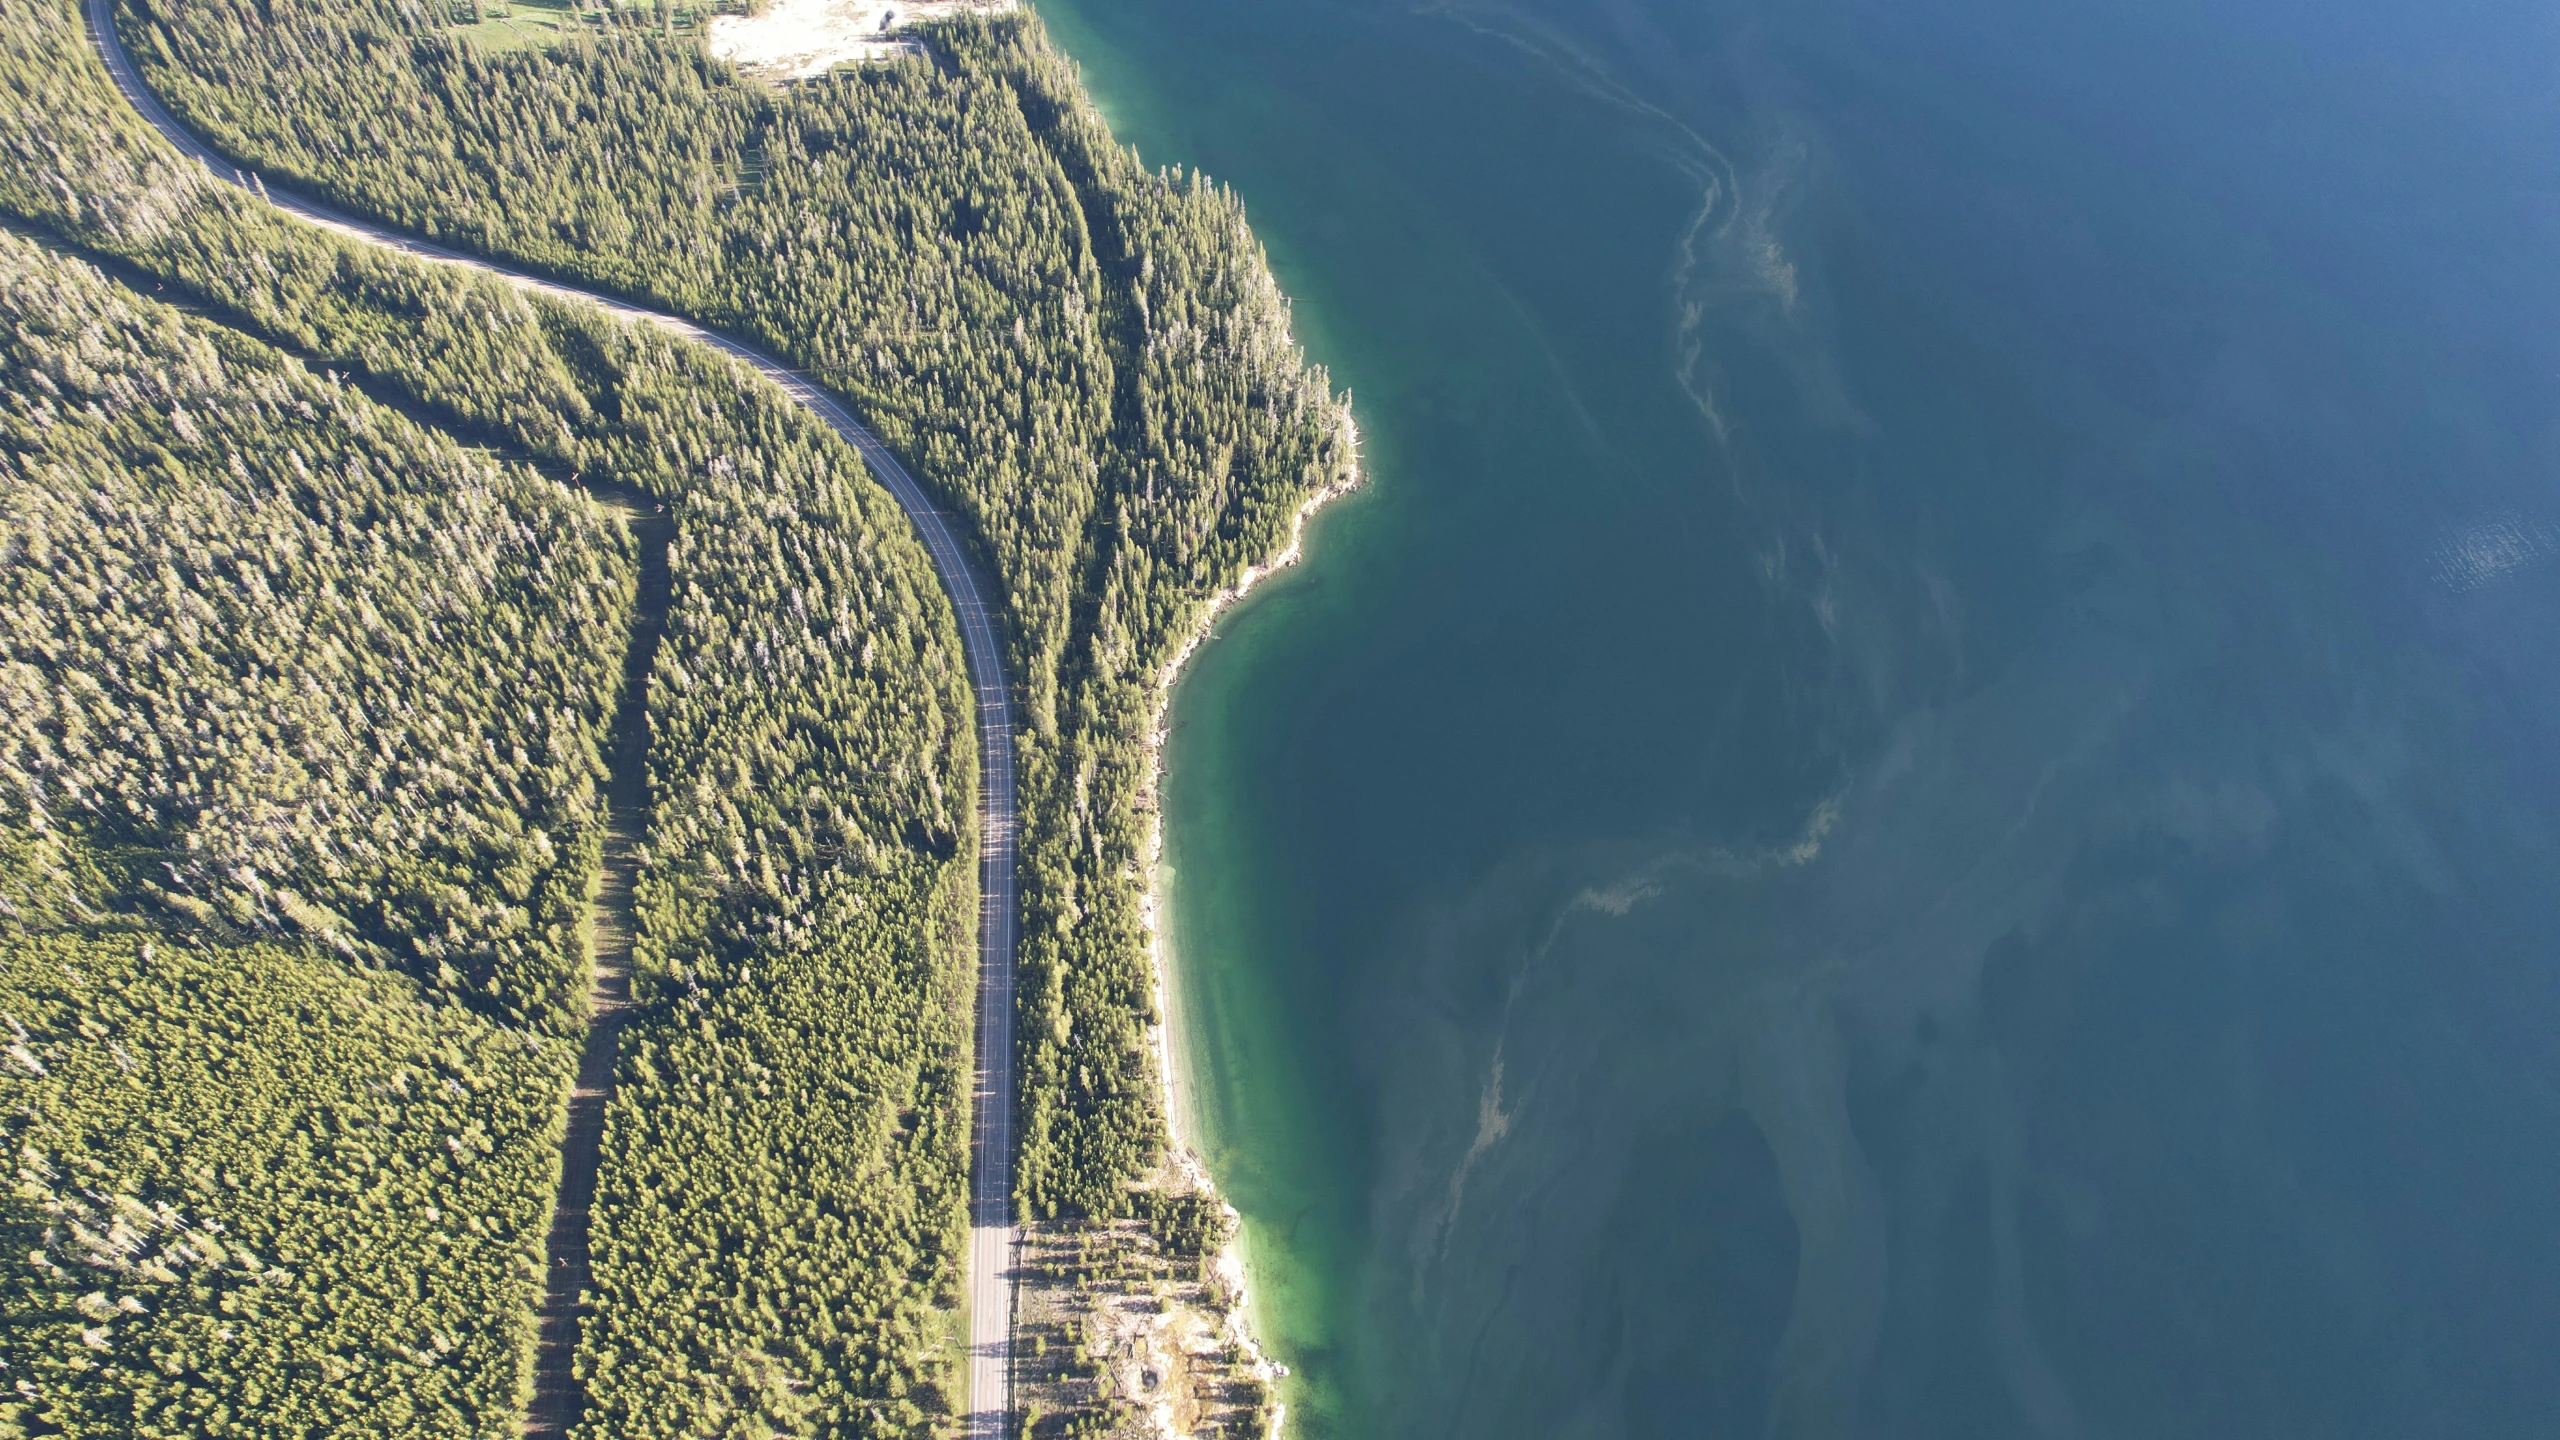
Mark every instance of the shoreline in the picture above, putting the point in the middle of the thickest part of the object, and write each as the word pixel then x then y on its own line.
pixel 1232 1264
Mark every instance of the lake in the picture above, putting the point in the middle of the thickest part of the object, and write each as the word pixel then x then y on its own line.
pixel 1923 797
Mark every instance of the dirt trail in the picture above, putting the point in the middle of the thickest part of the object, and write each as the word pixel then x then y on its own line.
pixel 993 1237
pixel 558 1399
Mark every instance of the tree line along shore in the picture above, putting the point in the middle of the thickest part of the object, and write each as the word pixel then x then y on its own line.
pixel 312 647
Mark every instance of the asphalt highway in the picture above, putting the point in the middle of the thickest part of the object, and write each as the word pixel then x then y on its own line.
pixel 992 1236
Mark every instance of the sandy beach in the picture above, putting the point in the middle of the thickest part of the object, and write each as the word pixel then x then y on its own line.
pixel 1232 1262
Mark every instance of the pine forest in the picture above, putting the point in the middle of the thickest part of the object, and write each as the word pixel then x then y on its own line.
pixel 319 566
pixel 1089 358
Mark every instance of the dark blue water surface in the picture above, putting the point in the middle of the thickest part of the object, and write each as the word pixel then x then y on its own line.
pixel 1922 799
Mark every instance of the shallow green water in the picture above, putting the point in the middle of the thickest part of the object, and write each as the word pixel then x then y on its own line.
pixel 1921 799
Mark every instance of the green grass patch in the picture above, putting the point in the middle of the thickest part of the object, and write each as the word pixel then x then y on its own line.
pixel 539 24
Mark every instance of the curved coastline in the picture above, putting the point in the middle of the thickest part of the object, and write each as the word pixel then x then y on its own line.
pixel 994 1240
pixel 1235 1261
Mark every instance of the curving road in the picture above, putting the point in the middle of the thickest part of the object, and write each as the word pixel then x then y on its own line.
pixel 992 1236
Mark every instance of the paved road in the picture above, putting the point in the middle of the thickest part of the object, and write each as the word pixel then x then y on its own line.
pixel 992 1237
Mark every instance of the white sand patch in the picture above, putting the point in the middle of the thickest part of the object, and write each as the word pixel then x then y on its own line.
pixel 795 39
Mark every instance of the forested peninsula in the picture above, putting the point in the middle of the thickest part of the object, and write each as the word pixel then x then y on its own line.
pixel 1089 358
pixel 317 601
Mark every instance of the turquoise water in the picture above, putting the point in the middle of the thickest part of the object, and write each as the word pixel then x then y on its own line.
pixel 1921 800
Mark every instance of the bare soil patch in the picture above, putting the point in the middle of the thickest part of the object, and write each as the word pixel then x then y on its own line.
pixel 796 39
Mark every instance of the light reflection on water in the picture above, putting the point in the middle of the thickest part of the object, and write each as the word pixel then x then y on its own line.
pixel 1922 802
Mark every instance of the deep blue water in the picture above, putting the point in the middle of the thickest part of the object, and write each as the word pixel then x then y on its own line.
pixel 1922 799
